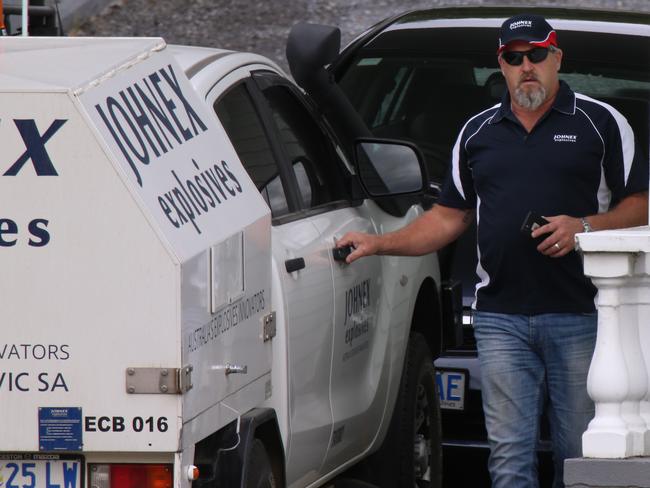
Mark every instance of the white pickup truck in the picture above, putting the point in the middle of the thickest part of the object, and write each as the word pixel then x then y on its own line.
pixel 173 312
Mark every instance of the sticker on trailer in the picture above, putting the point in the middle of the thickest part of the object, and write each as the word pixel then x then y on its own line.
pixel 175 155
pixel 59 429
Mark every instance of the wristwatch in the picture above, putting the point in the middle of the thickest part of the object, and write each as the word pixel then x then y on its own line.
pixel 586 226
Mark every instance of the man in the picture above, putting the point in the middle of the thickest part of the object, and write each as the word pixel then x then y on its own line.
pixel 572 160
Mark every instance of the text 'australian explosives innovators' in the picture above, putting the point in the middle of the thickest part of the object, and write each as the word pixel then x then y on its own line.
pixel 226 319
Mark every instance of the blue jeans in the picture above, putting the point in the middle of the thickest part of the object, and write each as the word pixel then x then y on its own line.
pixel 523 359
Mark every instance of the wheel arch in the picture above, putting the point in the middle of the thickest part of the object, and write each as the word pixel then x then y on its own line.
pixel 427 316
pixel 265 428
pixel 222 457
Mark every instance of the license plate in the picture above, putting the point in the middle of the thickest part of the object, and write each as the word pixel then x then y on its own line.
pixel 452 388
pixel 40 471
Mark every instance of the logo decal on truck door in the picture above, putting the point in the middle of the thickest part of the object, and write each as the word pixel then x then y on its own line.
pixel 357 318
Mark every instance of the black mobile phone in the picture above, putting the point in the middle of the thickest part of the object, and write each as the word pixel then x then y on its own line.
pixel 531 222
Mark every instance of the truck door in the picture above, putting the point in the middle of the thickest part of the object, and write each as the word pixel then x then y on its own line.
pixel 275 142
pixel 296 167
pixel 309 292
pixel 358 397
pixel 322 184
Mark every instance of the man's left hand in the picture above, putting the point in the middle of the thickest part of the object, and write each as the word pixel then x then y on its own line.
pixel 560 235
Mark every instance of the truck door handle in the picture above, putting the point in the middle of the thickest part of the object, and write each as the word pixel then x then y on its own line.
pixel 340 253
pixel 295 264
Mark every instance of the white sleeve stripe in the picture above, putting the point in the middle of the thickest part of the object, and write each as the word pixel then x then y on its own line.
pixel 483 276
pixel 455 153
pixel 602 141
pixel 625 131
pixel 604 193
pixel 477 130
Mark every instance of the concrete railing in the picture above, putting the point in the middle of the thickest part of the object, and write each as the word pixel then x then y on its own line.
pixel 618 263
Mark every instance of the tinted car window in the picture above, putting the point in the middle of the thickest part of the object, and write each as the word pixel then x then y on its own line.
pixel 245 130
pixel 420 99
pixel 309 151
pixel 423 84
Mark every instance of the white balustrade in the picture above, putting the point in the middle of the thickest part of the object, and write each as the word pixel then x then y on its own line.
pixel 618 263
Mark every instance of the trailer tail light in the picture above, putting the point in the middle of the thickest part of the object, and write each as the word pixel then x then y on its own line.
pixel 131 475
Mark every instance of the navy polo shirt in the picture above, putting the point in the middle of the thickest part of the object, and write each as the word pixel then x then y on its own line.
pixel 580 159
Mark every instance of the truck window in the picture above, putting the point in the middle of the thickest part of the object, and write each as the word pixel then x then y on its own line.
pixel 314 161
pixel 244 128
pixel 416 98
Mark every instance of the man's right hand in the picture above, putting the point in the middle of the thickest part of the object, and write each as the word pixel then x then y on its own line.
pixel 362 245
pixel 432 230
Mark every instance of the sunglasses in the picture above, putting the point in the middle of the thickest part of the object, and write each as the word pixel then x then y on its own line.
pixel 515 58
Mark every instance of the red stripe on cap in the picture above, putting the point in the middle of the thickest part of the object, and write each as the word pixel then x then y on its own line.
pixel 550 40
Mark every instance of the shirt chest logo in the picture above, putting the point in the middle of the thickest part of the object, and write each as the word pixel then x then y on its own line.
pixel 565 138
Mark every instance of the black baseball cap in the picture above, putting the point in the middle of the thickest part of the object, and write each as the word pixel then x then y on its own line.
pixel 530 28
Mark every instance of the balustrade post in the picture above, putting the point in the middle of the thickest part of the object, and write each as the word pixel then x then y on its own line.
pixel 608 382
pixel 618 382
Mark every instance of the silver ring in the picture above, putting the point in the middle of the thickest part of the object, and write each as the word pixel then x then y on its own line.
pixel 557 246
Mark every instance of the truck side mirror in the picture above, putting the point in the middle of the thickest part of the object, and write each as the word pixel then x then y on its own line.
pixel 310 47
pixel 389 168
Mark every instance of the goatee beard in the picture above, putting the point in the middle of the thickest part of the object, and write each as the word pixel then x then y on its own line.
pixel 530 99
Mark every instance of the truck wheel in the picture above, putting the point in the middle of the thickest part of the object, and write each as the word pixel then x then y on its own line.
pixel 259 473
pixel 420 430
pixel 412 444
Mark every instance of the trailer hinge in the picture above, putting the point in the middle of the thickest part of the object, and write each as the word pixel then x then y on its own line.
pixel 269 326
pixel 185 379
pixel 160 381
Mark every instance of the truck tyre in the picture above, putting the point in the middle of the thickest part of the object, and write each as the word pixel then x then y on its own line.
pixel 259 473
pixel 421 418
pixel 412 444
pixel 420 429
